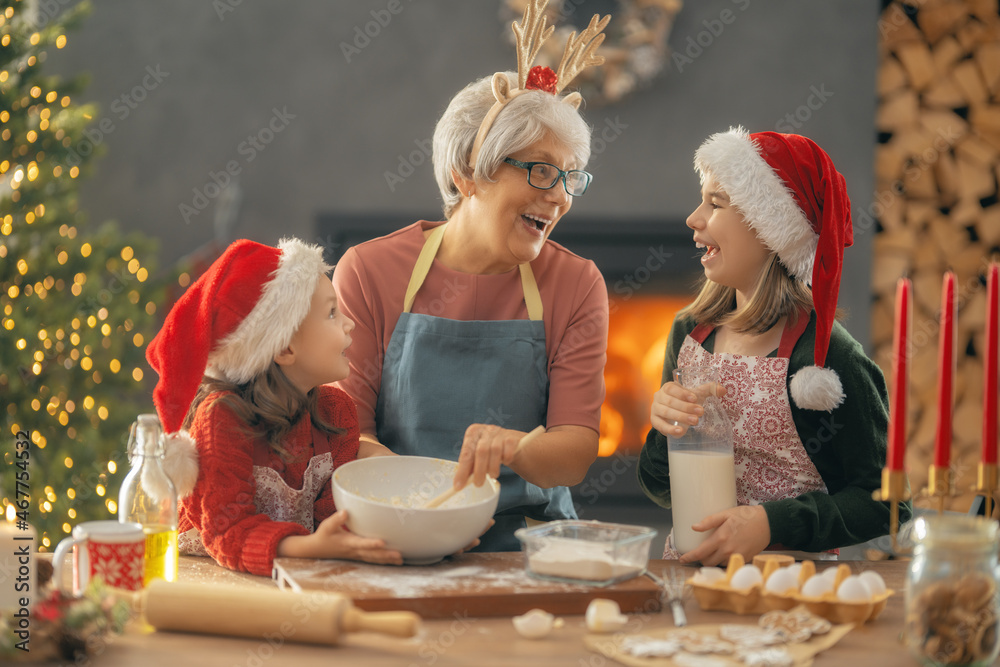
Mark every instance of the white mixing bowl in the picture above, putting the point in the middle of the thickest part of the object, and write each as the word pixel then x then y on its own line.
pixel 383 496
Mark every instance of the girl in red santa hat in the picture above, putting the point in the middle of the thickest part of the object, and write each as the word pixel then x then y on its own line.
pixel 243 358
pixel 809 409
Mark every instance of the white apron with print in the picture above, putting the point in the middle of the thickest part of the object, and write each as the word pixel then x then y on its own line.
pixel 276 499
pixel 771 462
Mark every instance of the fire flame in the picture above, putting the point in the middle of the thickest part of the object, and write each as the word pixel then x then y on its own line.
pixel 637 341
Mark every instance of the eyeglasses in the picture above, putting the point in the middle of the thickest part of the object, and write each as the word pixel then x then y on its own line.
pixel 544 176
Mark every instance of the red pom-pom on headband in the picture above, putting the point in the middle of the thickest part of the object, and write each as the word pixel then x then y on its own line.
pixel 541 78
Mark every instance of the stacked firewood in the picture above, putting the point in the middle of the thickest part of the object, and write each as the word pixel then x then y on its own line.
pixel 936 206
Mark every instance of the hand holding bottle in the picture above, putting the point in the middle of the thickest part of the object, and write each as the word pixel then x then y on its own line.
pixel 676 407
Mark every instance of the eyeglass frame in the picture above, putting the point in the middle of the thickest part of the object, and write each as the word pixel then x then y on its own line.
pixel 528 166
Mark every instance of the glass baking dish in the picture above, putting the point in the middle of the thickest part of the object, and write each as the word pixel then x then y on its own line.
pixel 588 552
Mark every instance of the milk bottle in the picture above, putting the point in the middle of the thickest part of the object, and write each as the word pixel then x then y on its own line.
pixel 702 470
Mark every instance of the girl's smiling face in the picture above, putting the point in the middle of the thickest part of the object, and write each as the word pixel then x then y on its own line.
pixel 734 255
pixel 315 354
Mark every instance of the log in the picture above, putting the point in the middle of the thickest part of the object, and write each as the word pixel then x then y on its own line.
pixel 984 10
pixel 988 226
pixel 987 58
pixel 974 182
pixel 947 126
pixel 898 111
pixel 971 34
pixel 946 175
pixel 945 54
pixel 890 78
pixel 968 79
pixel 895 28
pixel 943 94
pixel 886 271
pixel 916 60
pixel 951 240
pixel 972 148
pixel 936 21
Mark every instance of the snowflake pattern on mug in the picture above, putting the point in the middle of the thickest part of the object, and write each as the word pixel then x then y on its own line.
pixel 118 565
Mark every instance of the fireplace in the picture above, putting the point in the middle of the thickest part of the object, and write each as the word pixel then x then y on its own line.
pixel 651 269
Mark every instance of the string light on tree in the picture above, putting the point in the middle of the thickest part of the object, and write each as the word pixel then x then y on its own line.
pixel 76 299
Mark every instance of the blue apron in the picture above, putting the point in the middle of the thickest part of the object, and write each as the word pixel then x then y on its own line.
pixel 440 376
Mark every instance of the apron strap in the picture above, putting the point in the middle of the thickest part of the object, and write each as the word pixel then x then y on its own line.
pixel 700 333
pixel 532 297
pixel 791 334
pixel 424 261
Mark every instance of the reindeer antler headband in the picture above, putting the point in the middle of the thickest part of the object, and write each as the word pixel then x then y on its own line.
pixel 529 35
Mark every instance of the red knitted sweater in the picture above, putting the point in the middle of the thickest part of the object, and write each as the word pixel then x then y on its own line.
pixel 222 506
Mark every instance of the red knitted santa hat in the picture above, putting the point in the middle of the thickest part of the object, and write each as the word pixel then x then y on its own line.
pixel 229 324
pixel 796 201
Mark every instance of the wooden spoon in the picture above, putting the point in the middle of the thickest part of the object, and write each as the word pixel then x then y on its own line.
pixel 525 439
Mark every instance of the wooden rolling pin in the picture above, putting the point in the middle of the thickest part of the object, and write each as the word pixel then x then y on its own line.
pixel 311 618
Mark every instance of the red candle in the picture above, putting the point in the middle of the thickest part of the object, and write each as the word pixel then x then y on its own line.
pixel 897 405
pixel 990 372
pixel 946 371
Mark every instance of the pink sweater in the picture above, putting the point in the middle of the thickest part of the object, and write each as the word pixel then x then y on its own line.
pixel 371 280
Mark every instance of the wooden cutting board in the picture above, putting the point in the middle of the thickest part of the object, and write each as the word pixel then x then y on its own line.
pixel 477 584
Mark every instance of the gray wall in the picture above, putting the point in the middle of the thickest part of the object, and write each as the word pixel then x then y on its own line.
pixel 342 126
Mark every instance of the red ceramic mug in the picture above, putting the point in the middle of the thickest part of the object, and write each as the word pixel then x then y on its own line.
pixel 111 550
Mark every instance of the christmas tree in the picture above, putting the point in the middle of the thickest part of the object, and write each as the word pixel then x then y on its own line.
pixel 77 301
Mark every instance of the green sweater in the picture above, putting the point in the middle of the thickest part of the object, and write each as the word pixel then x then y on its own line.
pixel 847 446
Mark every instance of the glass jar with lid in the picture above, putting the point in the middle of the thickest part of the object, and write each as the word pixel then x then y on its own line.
pixel 952 605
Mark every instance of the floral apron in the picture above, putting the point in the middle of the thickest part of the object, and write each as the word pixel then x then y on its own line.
pixel 771 462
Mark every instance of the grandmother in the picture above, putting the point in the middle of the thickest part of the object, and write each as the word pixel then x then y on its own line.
pixel 472 332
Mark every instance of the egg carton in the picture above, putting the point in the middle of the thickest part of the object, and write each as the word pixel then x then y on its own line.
pixel 754 599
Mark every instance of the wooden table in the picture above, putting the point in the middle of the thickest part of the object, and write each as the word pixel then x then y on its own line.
pixel 463 640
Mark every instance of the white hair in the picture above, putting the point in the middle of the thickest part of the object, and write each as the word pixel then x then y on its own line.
pixel 526 119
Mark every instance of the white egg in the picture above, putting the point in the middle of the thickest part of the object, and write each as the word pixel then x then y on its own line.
pixel 816 586
pixel 605 616
pixel 534 624
pixel 746 577
pixel 796 568
pixel 875 582
pixel 781 580
pixel 709 575
pixel 829 573
pixel 854 589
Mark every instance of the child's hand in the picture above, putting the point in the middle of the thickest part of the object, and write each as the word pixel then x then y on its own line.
pixel 333 540
pixel 742 529
pixel 675 408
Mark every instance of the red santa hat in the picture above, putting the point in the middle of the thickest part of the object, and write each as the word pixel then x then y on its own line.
pixel 796 201
pixel 229 324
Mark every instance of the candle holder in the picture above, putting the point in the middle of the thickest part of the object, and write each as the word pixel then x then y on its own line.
pixel 986 484
pixel 894 491
pixel 938 485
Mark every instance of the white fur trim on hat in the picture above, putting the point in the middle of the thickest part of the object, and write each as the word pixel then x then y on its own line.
pixel 269 327
pixel 180 461
pixel 767 204
pixel 815 388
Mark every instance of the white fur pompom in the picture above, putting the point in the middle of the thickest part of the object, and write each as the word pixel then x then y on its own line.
pixel 815 388
pixel 180 461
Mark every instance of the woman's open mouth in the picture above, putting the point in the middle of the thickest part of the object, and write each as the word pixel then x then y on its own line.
pixel 535 223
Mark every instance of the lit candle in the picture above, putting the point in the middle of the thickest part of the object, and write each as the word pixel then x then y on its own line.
pixel 946 372
pixel 897 406
pixel 990 371
pixel 18 582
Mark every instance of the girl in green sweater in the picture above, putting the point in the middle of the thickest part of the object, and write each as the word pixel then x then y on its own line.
pixel 809 409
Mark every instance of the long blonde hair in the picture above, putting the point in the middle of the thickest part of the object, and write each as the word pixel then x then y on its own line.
pixel 775 295
pixel 269 405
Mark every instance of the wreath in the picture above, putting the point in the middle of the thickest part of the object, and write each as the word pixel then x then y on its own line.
pixel 635 50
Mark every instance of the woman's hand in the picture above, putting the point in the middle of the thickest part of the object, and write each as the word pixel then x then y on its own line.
pixel 333 540
pixel 675 408
pixel 744 530
pixel 484 448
